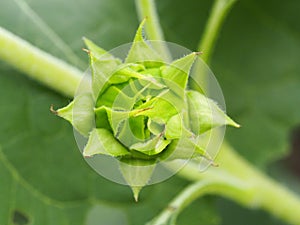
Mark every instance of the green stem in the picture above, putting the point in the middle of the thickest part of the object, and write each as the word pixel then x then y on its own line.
pixel 196 190
pixel 219 11
pixel 39 65
pixel 239 181
pixel 53 37
pixel 147 9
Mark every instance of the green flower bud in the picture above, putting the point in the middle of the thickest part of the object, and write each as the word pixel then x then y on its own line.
pixel 141 111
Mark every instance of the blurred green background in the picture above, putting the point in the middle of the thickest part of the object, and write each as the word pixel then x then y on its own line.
pixel 43 177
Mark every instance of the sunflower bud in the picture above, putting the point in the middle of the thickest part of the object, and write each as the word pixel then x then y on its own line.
pixel 143 110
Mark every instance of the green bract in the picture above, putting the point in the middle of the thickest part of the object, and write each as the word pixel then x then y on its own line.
pixel 141 111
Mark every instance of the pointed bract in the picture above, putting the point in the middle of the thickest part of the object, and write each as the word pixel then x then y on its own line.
pixel 93 48
pixel 80 113
pixel 103 64
pixel 66 112
pixel 176 74
pixel 136 174
pixel 101 141
pixel 141 51
pixel 136 191
pixel 205 114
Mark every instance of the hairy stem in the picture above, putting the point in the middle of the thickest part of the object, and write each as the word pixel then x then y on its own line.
pixel 239 181
pixel 53 37
pixel 38 64
pixel 146 9
pixel 188 195
pixel 219 11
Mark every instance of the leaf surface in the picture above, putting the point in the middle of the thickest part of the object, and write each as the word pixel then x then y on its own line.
pixel 43 176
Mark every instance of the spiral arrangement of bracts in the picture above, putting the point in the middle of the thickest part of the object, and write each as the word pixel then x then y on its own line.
pixel 142 111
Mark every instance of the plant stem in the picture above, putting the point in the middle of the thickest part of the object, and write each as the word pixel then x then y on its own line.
pixel 196 190
pixel 53 37
pixel 237 180
pixel 268 194
pixel 219 11
pixel 147 9
pixel 38 64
